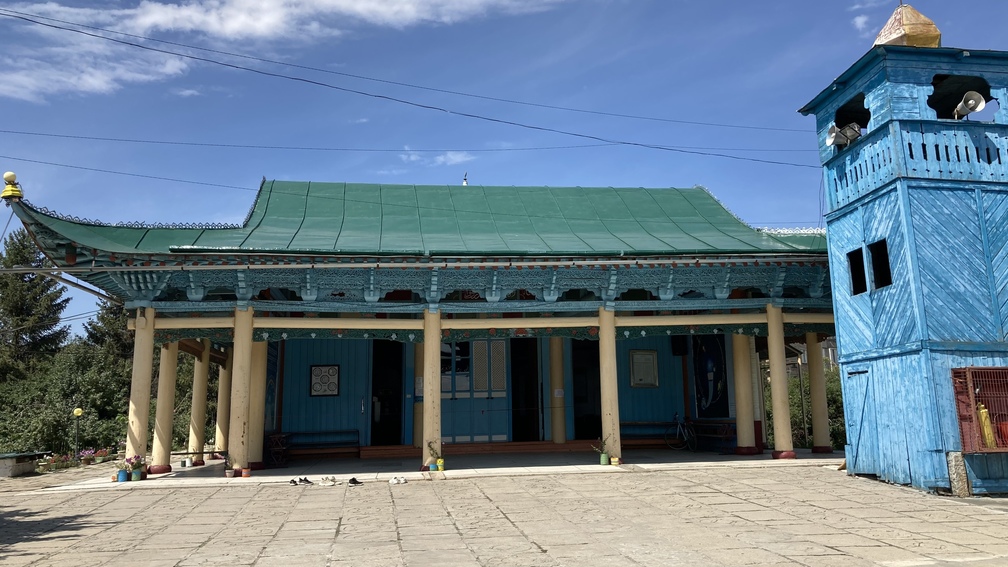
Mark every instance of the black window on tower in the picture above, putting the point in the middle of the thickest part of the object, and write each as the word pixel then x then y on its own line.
pixel 855 259
pixel 879 255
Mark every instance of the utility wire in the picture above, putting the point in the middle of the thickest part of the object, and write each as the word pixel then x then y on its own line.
pixel 409 85
pixel 409 102
pixel 376 150
pixel 417 206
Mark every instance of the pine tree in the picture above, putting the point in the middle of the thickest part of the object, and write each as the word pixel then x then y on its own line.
pixel 30 309
pixel 108 330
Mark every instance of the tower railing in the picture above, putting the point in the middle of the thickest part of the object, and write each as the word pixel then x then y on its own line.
pixel 924 149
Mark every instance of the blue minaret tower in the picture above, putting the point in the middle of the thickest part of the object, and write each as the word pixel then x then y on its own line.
pixel 917 229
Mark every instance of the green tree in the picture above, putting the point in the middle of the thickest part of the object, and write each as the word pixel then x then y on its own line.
pixel 30 309
pixel 108 330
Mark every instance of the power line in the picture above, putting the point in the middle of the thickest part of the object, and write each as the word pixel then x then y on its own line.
pixel 111 172
pixel 410 85
pixel 375 150
pixel 412 103
pixel 526 215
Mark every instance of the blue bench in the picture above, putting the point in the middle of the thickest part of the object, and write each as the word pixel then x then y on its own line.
pixel 313 443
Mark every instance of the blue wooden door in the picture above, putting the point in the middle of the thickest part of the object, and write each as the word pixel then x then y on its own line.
pixel 474 392
pixel 861 420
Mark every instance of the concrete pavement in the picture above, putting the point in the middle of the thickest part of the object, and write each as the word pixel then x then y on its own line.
pixel 665 508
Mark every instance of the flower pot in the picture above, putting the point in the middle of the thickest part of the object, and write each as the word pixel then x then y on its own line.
pixel 136 474
pixel 440 464
pixel 613 460
pixel 603 458
pixel 246 472
pixel 122 476
pixel 229 473
pixel 187 462
pixel 433 466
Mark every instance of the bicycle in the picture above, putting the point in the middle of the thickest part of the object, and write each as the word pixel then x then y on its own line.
pixel 680 435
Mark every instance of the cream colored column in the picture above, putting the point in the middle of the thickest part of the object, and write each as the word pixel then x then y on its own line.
pixel 608 383
pixel 143 367
pixel 257 404
pixel 432 384
pixel 165 410
pixel 197 415
pixel 241 376
pixel 742 370
pixel 558 415
pixel 817 391
pixel 223 403
pixel 783 443
pixel 418 369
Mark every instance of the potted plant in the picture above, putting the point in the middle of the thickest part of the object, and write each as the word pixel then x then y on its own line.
pixel 602 450
pixel 87 456
pixel 438 464
pixel 101 455
pixel 135 464
pixel 122 472
pixel 228 467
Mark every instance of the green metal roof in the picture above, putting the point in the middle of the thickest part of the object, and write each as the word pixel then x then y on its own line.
pixel 415 220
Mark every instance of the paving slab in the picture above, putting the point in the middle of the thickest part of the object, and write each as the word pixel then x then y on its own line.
pixel 662 508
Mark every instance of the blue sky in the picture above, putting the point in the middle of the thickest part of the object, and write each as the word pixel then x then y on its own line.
pixel 742 69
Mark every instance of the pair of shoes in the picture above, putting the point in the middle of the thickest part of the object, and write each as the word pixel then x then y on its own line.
pixel 327 481
pixel 354 482
pixel 397 480
pixel 293 482
pixel 305 481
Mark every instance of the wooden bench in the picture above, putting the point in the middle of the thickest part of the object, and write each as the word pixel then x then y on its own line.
pixel 17 464
pixel 720 434
pixel 313 443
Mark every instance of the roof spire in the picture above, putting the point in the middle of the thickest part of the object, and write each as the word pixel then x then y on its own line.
pixel 12 189
pixel 909 27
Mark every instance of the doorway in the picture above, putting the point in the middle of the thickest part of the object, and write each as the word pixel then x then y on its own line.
pixel 526 407
pixel 587 394
pixel 386 392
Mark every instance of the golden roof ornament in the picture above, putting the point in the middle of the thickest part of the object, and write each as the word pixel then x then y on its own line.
pixel 909 27
pixel 12 189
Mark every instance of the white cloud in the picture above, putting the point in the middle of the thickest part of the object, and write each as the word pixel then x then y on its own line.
pixel 447 158
pixel 186 92
pixel 869 4
pixel 453 158
pixel 360 121
pixel 860 22
pixel 47 61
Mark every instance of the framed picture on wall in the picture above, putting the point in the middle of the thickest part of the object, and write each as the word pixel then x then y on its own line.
pixel 643 369
pixel 324 380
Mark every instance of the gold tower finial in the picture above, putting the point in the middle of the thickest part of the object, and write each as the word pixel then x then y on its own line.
pixel 12 189
pixel 909 27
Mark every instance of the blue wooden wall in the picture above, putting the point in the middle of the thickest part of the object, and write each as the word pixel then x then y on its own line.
pixel 303 412
pixel 649 404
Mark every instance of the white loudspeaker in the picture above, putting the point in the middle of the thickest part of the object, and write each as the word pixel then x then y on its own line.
pixel 971 102
pixel 833 136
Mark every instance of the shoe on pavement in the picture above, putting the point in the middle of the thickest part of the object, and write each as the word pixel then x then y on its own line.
pixel 354 482
pixel 293 482
pixel 305 481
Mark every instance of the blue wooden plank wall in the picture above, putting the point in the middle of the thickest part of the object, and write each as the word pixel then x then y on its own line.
pixel 650 404
pixel 950 252
pixel 892 304
pixel 995 206
pixel 855 331
pixel 860 416
pixel 302 412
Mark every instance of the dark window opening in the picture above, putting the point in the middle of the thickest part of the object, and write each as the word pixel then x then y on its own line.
pixel 881 273
pixel 854 111
pixel 855 259
pixel 949 91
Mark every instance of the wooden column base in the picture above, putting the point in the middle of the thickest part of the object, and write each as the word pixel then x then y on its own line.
pixel 158 469
pixel 747 451
pixel 784 455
